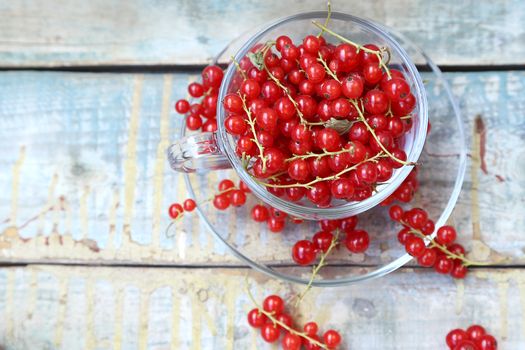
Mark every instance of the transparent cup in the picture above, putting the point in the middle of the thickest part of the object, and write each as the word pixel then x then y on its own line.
pixel 213 151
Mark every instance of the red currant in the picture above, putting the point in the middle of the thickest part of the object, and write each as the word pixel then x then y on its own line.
pixel 256 318
pixel 357 241
pixel 189 205
pixel 303 252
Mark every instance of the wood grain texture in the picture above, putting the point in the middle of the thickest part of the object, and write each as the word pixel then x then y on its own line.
pixel 84 176
pixel 83 308
pixel 33 33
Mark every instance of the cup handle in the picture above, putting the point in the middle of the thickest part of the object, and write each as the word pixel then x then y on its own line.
pixel 197 153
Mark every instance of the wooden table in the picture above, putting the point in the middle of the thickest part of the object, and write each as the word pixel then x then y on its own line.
pixel 86 96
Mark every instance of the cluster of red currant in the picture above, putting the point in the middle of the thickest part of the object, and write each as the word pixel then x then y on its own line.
pixel 176 210
pixel 230 195
pixel 207 107
pixel 441 253
pixel 273 320
pixel 304 252
pixel 474 337
pixel 274 218
pixel 319 120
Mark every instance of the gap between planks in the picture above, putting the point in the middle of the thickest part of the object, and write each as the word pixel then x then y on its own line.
pixel 173 68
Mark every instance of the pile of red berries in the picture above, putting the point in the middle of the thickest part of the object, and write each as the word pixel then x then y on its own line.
pixel 273 321
pixel 474 337
pixel 206 109
pixel 442 253
pixel 304 252
pixel 319 120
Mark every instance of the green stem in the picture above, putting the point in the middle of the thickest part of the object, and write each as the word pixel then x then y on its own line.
pixel 320 179
pixel 251 122
pixel 329 5
pixel 319 155
pixel 467 262
pixel 359 47
pixel 327 69
pixel 318 267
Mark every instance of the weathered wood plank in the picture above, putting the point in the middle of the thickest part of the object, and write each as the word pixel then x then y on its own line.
pixel 84 176
pixel 36 33
pixel 82 308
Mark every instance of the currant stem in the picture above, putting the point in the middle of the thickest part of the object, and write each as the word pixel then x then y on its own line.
pixel 238 66
pixel 318 267
pixel 359 47
pixel 327 69
pixel 287 93
pixel 251 122
pixel 282 324
pixel 327 20
pixel 466 262
pixel 372 131
pixel 321 179
pixel 318 155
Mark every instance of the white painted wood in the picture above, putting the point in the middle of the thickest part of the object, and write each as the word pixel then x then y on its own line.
pixel 72 33
pixel 84 176
pixel 129 308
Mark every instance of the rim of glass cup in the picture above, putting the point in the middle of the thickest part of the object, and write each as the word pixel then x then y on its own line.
pixel 350 208
pixel 403 259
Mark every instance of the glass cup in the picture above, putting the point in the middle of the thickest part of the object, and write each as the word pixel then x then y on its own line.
pixel 210 151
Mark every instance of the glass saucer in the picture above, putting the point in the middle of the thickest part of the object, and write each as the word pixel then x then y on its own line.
pixel 441 173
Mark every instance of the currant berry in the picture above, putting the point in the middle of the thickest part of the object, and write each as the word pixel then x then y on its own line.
pixel 259 213
pixel 303 252
pixel 376 102
pixel 235 125
pixel 221 202
pixel 212 76
pixel 466 345
pixel 310 328
pixel 459 270
pixel 225 185
pixel 415 246
pixel 274 304
pixel 396 212
pixel 175 210
pixel 446 235
pixel 193 122
pixel 237 198
pixel 195 90
pixel 322 241
pixel 328 139
pixel 475 332
pixel 299 170
pixel 291 342
pixel 487 342
pixel 443 264
pixel 332 338
pixel 428 258
pixel 189 205
pixel 232 103
pixel 275 225
pixel 256 318
pixel 270 332
pixel 357 241
pixel 456 336
pixel 353 86
pixel 250 89
pixel 182 106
